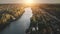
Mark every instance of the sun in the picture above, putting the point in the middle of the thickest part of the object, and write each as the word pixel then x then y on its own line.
pixel 28 1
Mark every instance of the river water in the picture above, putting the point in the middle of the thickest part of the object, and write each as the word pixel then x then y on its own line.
pixel 19 26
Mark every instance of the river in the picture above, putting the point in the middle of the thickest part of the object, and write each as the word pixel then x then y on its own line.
pixel 19 26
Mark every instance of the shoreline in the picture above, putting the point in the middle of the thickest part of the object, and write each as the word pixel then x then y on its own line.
pixel 2 26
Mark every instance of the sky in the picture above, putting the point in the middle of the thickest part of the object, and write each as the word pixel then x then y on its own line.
pixel 35 1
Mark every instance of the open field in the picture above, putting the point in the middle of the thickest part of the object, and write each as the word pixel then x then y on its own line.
pixel 45 19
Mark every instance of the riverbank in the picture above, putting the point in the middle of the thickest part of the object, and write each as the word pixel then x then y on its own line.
pixel 19 26
pixel 45 20
pixel 9 14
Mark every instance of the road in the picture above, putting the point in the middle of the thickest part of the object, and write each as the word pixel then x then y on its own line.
pixel 19 26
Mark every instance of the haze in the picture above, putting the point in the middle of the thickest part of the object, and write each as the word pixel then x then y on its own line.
pixel 35 1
